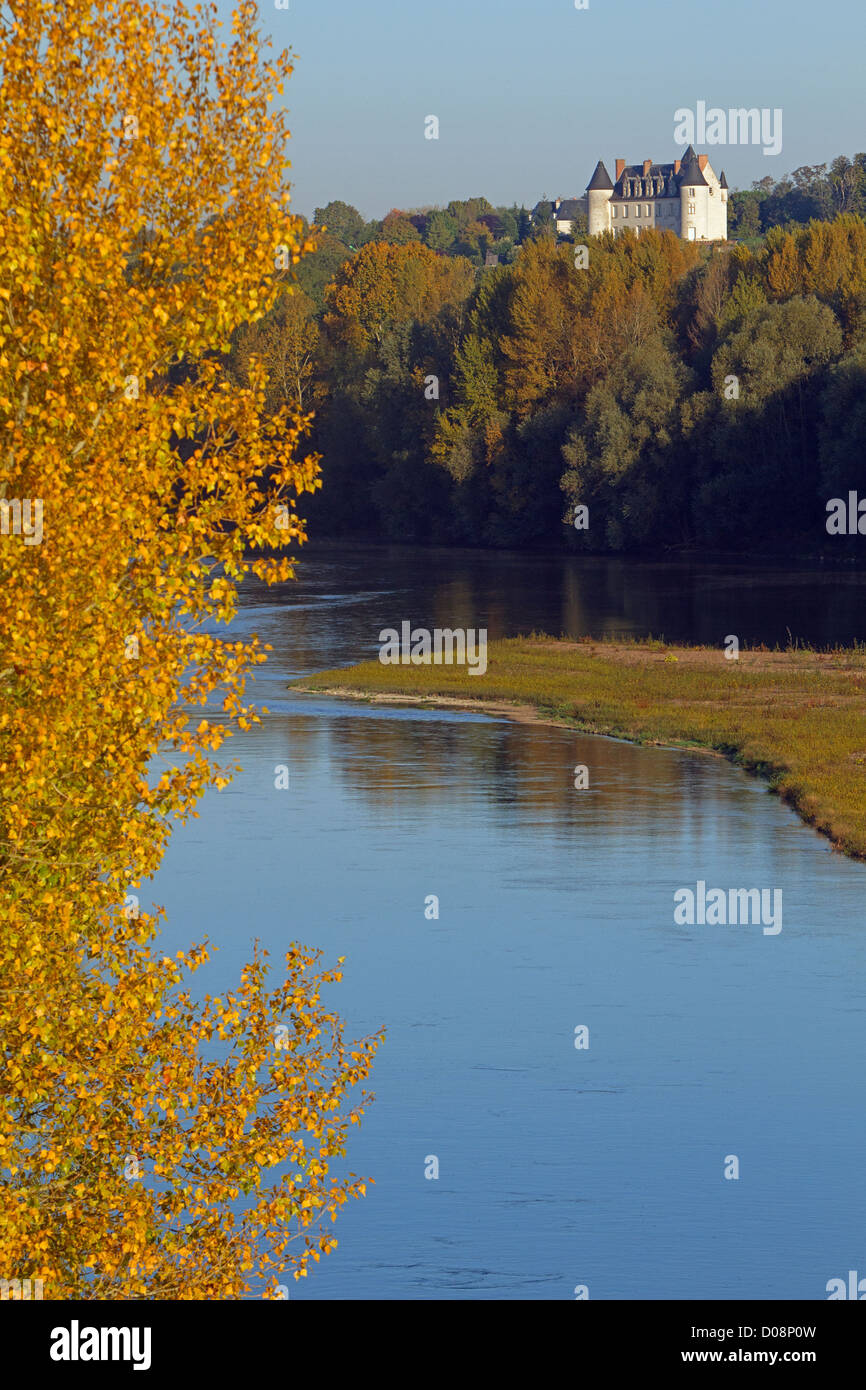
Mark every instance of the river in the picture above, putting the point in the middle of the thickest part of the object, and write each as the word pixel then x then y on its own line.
pixel 560 1167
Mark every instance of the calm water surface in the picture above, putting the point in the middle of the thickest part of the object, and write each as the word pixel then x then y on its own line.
pixel 558 1166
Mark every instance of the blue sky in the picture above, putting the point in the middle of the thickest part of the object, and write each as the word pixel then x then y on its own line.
pixel 530 93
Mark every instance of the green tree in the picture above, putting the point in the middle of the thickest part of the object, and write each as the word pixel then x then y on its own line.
pixel 343 222
pixel 393 316
pixel 508 223
pixel 842 433
pixel 441 230
pixel 744 212
pixel 468 210
pixel 623 457
pixel 473 242
pixel 757 447
pixel 398 229
pixel 317 270
pixel 746 297
pixel 542 223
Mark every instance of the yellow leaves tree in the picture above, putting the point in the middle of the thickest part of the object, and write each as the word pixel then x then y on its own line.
pixel 568 324
pixel 146 215
pixel 286 341
pixel 542 349
pixel 827 259
pixel 385 285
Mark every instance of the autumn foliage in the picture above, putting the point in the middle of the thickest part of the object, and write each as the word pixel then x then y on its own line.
pixel 151 1145
pixel 670 387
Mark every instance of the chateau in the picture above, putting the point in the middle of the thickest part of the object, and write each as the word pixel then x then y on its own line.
pixel 686 197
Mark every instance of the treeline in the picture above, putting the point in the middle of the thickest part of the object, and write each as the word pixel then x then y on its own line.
pixel 686 395
pixel 470 228
pixel 814 191
pixel 474 228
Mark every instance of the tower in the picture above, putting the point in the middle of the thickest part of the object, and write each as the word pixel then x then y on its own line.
pixel 694 197
pixel 723 208
pixel 598 195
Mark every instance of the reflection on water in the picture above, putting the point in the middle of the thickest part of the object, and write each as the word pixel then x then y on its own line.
pixel 365 588
pixel 558 1167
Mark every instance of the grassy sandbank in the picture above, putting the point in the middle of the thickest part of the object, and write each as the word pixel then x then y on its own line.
pixel 796 717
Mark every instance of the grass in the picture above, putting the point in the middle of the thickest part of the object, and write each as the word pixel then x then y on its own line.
pixel 796 717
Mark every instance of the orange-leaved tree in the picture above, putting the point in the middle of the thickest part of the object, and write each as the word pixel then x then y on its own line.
pixel 151 1145
pixel 385 285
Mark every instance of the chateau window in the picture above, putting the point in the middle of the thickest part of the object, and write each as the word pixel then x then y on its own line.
pixel 648 210
pixel 625 212
pixel 691 209
pixel 637 211
pixel 613 212
pixel 691 193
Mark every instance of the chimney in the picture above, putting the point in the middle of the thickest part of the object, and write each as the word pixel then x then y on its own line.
pixel 676 166
pixel 647 165
pixel 703 161
pixel 620 165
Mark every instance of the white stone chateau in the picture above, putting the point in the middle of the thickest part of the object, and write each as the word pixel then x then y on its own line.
pixel 686 197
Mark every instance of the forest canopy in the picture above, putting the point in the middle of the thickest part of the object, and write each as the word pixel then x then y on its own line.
pixel 473 382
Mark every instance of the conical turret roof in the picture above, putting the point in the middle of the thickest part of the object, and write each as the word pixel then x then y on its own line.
pixel 600 179
pixel 690 169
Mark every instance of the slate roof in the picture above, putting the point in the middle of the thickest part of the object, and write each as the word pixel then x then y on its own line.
pixel 600 179
pixel 635 171
pixel 568 209
pixel 690 173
